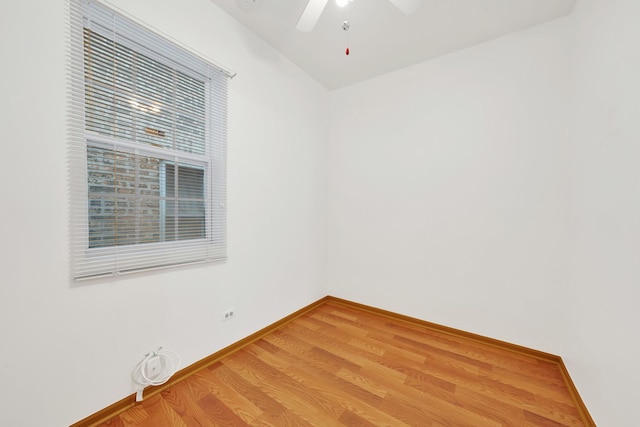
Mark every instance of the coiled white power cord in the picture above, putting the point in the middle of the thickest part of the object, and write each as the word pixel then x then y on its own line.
pixel 155 369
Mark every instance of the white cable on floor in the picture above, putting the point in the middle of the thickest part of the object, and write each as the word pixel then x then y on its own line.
pixel 164 363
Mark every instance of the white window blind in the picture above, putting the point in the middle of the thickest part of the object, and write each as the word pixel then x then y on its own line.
pixel 148 148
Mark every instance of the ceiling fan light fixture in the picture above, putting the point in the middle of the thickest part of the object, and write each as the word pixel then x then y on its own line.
pixel 314 8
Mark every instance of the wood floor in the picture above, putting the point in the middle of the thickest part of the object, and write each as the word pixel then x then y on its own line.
pixel 338 365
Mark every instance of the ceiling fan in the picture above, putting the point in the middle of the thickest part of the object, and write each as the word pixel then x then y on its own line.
pixel 314 9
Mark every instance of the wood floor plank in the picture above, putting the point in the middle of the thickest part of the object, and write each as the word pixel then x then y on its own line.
pixel 164 416
pixel 541 421
pixel 114 422
pixel 399 372
pixel 361 381
pixel 354 399
pixel 137 415
pixel 283 389
pixel 287 418
pixel 556 411
pixel 391 375
pixel 474 349
pixel 214 384
pixel 256 396
pixel 179 397
pixel 350 419
pixel 219 413
pixel 339 365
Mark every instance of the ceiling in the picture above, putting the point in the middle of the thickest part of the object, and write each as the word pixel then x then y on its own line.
pixel 381 37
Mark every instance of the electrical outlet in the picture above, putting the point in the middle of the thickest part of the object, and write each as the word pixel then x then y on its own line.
pixel 154 367
pixel 229 314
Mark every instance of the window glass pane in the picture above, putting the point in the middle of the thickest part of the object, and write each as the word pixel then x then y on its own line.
pixel 133 97
pixel 170 221
pixel 190 134
pixel 191 222
pixel 149 176
pixel 148 220
pixel 124 198
pixel 125 221
pixel 185 211
pixel 154 81
pixel 101 220
pixel 111 221
pixel 101 171
pixel 151 118
pixel 188 94
pixel 191 182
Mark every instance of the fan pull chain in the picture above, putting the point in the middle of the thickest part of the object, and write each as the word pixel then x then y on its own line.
pixel 345 27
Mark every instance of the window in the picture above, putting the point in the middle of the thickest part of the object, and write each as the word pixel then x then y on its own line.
pixel 148 148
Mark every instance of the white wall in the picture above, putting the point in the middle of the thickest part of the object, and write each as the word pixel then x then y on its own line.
pixel 448 189
pixel 605 145
pixel 67 351
pixel 496 190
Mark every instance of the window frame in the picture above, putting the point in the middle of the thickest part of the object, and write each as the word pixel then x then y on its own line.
pixel 125 258
pixel 99 141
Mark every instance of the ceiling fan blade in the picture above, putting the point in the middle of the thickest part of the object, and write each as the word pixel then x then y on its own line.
pixel 311 15
pixel 407 6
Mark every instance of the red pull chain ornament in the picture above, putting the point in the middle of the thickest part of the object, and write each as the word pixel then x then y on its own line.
pixel 345 27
